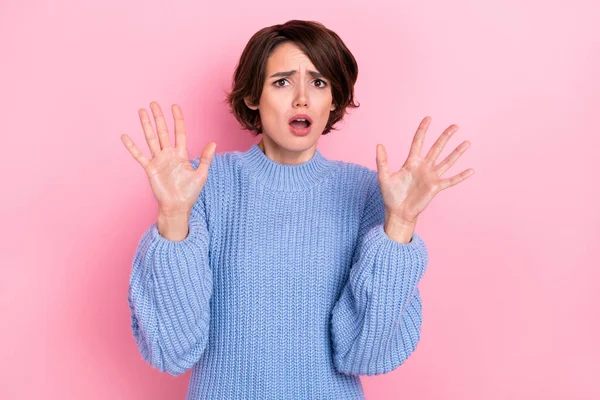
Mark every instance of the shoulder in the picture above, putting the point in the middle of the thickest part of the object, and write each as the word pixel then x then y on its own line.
pixel 217 158
pixel 223 172
pixel 221 162
pixel 217 164
pixel 356 170
pixel 360 178
pixel 215 176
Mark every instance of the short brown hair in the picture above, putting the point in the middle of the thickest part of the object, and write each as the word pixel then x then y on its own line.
pixel 322 46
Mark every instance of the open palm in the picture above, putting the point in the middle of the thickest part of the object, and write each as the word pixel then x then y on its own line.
pixel 174 182
pixel 408 191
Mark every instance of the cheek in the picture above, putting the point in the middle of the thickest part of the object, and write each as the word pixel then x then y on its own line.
pixel 273 112
pixel 274 98
pixel 269 107
pixel 326 107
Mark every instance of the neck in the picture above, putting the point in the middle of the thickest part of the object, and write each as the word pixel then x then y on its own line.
pixel 282 177
pixel 283 156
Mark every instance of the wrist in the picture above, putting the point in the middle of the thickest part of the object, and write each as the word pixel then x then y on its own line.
pixel 399 229
pixel 401 217
pixel 173 226
pixel 173 215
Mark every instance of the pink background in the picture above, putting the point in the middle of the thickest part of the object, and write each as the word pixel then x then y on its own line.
pixel 511 294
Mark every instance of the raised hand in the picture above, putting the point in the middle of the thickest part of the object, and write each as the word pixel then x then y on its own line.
pixel 175 183
pixel 407 192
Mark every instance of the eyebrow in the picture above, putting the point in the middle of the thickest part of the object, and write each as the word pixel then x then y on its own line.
pixel 314 74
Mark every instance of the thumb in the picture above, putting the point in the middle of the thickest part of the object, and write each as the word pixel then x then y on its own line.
pixel 206 158
pixel 382 160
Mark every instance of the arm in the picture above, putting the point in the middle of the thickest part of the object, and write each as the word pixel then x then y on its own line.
pixel 375 324
pixel 169 294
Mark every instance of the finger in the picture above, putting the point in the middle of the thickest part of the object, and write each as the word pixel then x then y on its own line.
pixel 382 160
pixel 151 138
pixel 452 157
pixel 180 134
pixel 135 152
pixel 417 143
pixel 446 183
pixel 439 144
pixel 161 125
pixel 206 158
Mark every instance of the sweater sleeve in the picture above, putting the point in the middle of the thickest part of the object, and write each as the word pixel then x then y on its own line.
pixel 169 294
pixel 376 322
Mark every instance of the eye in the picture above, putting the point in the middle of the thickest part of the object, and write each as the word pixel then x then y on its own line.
pixel 324 84
pixel 280 80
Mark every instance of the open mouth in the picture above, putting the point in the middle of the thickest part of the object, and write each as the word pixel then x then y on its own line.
pixel 300 123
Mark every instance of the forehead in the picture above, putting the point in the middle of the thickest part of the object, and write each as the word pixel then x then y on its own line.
pixel 288 56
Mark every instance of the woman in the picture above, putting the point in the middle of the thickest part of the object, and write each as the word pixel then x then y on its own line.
pixel 275 273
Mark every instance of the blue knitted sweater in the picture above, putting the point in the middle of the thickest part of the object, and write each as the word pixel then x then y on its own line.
pixel 286 287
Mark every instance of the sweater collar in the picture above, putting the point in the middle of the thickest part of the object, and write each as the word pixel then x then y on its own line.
pixel 285 177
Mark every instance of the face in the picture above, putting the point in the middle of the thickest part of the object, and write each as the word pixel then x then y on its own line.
pixel 292 86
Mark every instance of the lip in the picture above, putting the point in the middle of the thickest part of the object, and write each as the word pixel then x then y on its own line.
pixel 300 131
pixel 304 116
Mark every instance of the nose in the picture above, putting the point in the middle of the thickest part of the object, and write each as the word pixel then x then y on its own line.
pixel 301 99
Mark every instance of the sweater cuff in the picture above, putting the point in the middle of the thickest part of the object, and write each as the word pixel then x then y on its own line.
pixel 195 230
pixel 394 268
pixel 416 242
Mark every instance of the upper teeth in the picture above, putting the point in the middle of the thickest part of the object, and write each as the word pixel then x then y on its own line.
pixel 300 119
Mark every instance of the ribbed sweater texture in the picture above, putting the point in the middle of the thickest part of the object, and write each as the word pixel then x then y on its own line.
pixel 286 287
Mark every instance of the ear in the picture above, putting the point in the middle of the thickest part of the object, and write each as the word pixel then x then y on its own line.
pixel 332 107
pixel 249 104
